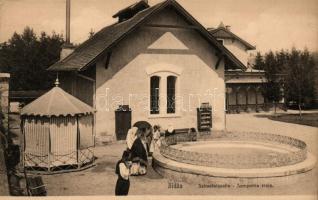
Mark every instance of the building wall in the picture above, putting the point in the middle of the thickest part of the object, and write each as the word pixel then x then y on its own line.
pixel 238 49
pixel 77 86
pixel 4 111
pixel 4 101
pixel 242 97
pixel 179 51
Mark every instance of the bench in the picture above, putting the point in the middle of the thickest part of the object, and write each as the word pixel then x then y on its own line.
pixel 182 135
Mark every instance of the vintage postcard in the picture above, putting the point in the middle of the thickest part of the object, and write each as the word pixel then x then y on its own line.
pixel 161 99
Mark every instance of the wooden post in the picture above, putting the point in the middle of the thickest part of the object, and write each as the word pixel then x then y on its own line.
pixel 227 102
pixel 256 99
pixel 77 142
pixel 236 99
pixel 229 90
pixel 49 153
pixel 22 144
pixel 93 129
pixel 246 99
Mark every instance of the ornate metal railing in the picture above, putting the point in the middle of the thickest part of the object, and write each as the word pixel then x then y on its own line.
pixel 73 161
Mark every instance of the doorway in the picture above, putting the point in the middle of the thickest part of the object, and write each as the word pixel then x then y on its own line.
pixel 122 121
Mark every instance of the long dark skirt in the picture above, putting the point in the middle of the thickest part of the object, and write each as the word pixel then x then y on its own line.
pixel 122 187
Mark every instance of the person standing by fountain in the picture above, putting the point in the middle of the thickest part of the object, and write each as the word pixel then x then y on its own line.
pixel 170 131
pixel 148 136
pixel 155 143
pixel 131 137
pixel 123 172
pixel 139 155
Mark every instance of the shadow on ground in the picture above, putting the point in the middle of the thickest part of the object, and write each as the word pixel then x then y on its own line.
pixel 103 166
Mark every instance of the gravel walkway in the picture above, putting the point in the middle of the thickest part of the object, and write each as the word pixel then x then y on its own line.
pixel 101 179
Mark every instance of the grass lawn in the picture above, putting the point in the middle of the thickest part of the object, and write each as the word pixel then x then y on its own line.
pixel 308 119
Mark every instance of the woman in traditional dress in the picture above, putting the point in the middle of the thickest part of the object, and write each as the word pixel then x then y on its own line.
pixel 123 171
pixel 131 137
pixel 148 136
pixel 170 131
pixel 139 155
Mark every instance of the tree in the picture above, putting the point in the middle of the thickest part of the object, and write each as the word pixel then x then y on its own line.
pixel 281 60
pixel 26 57
pixel 300 78
pixel 259 62
pixel 272 88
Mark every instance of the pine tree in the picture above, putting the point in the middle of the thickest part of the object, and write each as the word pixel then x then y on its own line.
pixel 26 57
pixel 281 59
pixel 272 88
pixel 259 62
pixel 300 78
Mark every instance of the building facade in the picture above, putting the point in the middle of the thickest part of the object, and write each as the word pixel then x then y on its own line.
pixel 160 62
pixel 243 86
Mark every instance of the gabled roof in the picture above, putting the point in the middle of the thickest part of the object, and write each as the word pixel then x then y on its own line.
pixel 56 102
pixel 89 51
pixel 223 32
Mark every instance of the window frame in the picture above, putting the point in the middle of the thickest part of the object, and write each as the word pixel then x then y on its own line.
pixel 171 94
pixel 156 112
pixel 163 97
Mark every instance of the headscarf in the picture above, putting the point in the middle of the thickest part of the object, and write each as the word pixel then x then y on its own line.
pixel 170 131
pixel 170 128
pixel 131 136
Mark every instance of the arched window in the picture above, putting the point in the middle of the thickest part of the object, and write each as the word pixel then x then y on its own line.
pixel 171 94
pixel 154 94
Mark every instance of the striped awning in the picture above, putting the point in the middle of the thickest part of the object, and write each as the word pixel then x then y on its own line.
pixel 56 102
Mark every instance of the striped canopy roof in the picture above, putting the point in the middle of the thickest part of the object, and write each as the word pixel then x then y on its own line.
pixel 56 102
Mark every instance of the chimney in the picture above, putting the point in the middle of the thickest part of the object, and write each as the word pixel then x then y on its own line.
pixel 68 21
pixel 131 10
pixel 228 27
pixel 67 47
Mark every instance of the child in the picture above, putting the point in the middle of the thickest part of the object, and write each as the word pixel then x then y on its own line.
pixel 122 170
pixel 155 143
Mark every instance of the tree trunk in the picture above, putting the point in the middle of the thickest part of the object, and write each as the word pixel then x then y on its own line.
pixel 299 107
pixel 275 108
pixel 300 114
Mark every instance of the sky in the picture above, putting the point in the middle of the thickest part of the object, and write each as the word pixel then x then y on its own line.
pixel 267 24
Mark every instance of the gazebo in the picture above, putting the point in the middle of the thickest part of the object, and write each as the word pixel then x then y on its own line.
pixel 58 133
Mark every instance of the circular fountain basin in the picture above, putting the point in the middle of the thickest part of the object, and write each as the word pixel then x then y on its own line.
pixel 238 160
pixel 234 148
pixel 236 154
